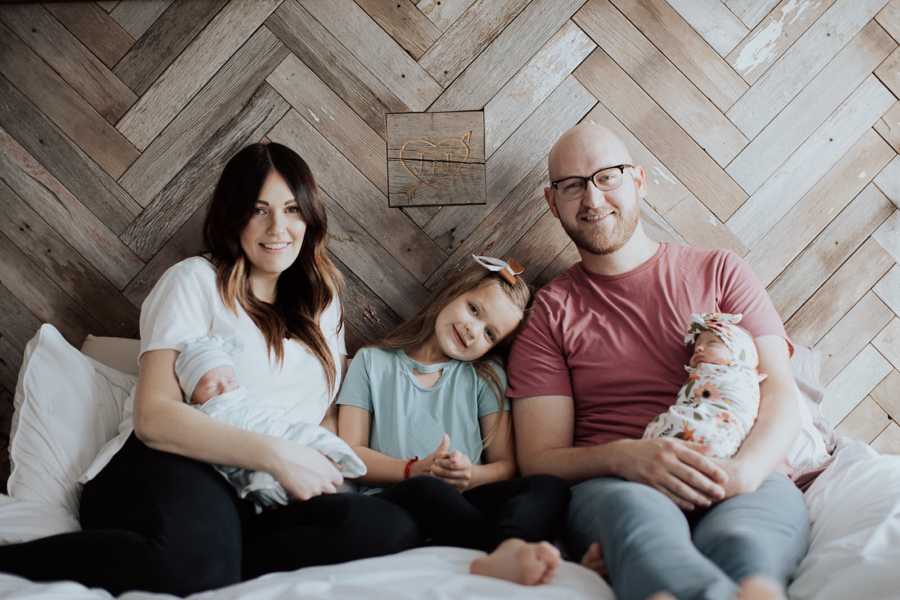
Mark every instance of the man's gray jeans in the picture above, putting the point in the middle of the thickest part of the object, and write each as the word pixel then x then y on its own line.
pixel 650 545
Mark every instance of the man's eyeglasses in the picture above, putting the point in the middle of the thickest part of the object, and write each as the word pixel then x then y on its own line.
pixel 605 180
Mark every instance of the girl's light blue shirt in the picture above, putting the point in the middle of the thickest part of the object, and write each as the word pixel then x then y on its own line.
pixel 409 419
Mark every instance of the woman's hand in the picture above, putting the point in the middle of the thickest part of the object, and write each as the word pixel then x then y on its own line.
pixel 302 471
pixel 455 468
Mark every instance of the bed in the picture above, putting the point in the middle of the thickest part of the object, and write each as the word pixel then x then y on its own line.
pixel 854 505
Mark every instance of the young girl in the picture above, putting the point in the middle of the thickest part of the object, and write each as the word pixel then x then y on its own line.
pixel 423 407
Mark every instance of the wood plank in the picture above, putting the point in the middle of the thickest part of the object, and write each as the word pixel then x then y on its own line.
pixel 818 154
pixel 888 126
pixel 478 26
pixel 700 227
pixel 41 294
pixel 838 295
pixel 889 18
pixel 864 422
pixel 686 49
pixel 443 13
pixel 889 440
pixel 16 320
pixel 220 99
pixel 774 35
pixel 853 384
pixel 95 28
pixel 187 75
pixel 427 182
pixel 357 249
pixel 377 50
pixel 819 206
pixel 771 148
pixel 888 235
pixel 815 48
pixel 325 56
pixel 660 79
pixel 533 83
pixel 851 334
pixel 64 106
pixel 404 23
pixel 889 72
pixel 138 17
pixel 888 341
pixel 888 288
pixel 498 231
pixel 367 317
pixel 332 118
pixel 662 136
pixel 658 228
pixel 888 181
pixel 187 241
pixel 10 365
pixel 359 197
pixel 541 245
pixel 508 53
pixel 751 12
pixel 530 144
pixel 60 262
pixel 719 26
pixel 438 126
pixel 76 64
pixel 164 41
pixel 194 184
pixel 72 167
pixel 831 248
pixel 107 5
pixel 887 394
pixel 65 213
pixel 421 215
pixel 664 191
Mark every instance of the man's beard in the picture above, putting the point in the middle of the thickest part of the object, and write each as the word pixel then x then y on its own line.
pixel 596 241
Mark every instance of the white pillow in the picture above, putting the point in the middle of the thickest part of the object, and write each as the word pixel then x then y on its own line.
pixel 854 509
pixel 811 449
pixel 66 407
pixel 24 520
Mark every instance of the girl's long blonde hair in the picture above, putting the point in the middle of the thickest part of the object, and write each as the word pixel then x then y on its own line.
pixel 414 333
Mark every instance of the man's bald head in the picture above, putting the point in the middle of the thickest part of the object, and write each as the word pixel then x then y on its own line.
pixel 584 149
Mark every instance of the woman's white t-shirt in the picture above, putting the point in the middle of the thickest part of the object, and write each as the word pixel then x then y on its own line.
pixel 185 304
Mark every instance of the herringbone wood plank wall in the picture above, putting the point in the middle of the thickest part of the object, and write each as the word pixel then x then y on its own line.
pixel 771 128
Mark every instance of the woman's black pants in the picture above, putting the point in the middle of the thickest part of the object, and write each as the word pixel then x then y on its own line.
pixel 160 522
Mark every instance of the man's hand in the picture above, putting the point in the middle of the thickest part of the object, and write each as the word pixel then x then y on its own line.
pixel 676 468
pixel 741 479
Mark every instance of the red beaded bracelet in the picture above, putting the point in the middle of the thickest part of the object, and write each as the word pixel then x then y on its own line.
pixel 408 466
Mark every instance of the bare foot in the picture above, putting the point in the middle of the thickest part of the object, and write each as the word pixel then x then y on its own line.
pixel 520 562
pixel 760 588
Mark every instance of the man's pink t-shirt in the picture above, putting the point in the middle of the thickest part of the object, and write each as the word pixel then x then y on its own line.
pixel 615 344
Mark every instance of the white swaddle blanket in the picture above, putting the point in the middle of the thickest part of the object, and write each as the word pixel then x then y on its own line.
pixel 236 408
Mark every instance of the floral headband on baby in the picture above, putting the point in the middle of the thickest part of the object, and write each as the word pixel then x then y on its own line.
pixel 509 271
pixel 724 326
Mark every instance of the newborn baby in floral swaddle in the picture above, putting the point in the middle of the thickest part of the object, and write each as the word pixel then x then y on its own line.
pixel 205 370
pixel 719 403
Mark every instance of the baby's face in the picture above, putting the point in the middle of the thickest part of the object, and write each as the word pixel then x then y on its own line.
pixel 214 382
pixel 710 349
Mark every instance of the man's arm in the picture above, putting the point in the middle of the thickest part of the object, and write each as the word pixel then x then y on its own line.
pixel 777 423
pixel 545 426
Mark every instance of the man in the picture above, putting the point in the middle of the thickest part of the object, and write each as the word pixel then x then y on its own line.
pixel 602 354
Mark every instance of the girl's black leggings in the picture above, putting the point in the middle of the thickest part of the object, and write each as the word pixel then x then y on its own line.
pixel 160 522
pixel 531 508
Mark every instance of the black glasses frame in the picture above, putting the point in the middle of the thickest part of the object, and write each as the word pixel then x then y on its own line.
pixel 622 167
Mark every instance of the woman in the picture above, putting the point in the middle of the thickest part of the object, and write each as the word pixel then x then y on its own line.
pixel 156 515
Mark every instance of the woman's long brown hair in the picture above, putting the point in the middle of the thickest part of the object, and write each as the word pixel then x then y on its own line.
pixel 415 332
pixel 306 288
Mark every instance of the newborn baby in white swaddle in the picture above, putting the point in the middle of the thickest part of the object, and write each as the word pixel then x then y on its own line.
pixel 719 403
pixel 205 370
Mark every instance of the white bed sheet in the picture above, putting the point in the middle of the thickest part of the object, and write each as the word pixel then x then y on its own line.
pixel 854 553
pixel 436 573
